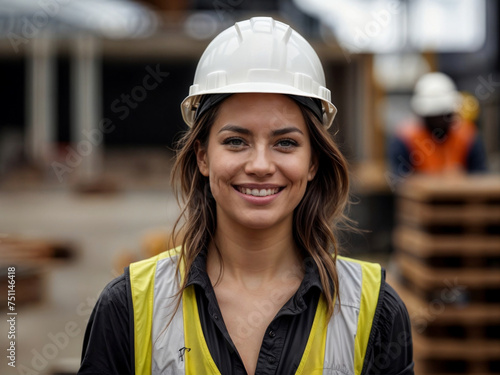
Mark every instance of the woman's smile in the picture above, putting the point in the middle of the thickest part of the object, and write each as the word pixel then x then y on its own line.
pixel 259 196
pixel 257 191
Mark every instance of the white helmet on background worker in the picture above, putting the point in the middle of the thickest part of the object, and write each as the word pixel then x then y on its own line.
pixel 260 55
pixel 435 94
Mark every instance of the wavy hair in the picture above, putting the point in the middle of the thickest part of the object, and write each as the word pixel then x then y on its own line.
pixel 316 218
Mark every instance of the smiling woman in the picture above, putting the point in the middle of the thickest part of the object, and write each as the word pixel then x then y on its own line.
pixel 258 164
pixel 257 286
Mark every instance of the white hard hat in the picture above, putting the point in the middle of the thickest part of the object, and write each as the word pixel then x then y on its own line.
pixel 435 94
pixel 259 55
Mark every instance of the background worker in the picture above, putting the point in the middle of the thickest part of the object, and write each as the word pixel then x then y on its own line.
pixel 440 140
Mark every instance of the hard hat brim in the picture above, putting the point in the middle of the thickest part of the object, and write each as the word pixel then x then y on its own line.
pixel 191 102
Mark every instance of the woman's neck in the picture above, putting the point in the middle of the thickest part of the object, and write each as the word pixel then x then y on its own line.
pixel 254 256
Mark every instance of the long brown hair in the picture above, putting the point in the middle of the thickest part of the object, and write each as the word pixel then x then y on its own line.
pixel 316 218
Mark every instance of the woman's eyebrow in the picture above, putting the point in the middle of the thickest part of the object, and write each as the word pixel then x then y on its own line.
pixel 274 133
pixel 289 129
pixel 234 128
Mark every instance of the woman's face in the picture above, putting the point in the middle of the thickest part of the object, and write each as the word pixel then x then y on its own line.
pixel 258 159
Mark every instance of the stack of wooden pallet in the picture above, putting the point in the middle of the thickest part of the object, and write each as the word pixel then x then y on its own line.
pixel 447 248
pixel 31 259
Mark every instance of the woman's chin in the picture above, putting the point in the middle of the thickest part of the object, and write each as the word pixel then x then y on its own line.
pixel 261 222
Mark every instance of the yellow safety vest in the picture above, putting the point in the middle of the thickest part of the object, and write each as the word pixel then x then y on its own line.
pixel 159 349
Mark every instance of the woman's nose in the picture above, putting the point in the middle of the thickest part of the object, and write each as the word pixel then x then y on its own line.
pixel 260 162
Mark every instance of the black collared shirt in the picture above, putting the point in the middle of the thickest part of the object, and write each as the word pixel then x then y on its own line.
pixel 108 343
pixel 285 337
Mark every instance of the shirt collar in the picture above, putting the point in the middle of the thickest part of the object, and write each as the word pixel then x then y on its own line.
pixel 198 275
pixel 198 272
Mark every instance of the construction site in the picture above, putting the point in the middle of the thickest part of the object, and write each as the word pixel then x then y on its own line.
pixel 91 97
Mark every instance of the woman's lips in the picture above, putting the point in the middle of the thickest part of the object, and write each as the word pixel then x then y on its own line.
pixel 258 192
pixel 258 195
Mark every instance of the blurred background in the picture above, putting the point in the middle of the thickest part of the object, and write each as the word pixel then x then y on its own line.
pixel 90 95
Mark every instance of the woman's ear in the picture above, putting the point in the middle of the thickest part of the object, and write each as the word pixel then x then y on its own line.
pixel 313 167
pixel 201 158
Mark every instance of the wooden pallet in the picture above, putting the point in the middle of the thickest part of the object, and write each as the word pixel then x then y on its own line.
pixel 456 367
pixel 427 277
pixel 445 190
pixel 424 245
pixel 29 286
pixel 475 252
pixel 15 250
pixel 442 310
pixel 469 213
pixel 453 349
pixel 438 351
pixel 465 296
pixel 458 229
pixel 451 206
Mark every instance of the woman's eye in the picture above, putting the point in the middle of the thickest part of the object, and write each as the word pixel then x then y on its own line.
pixel 234 142
pixel 287 143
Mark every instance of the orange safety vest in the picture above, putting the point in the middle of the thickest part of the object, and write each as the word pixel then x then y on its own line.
pixel 428 154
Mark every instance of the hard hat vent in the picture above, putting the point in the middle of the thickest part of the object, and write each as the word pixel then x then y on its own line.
pixel 262 25
pixel 303 82
pixel 216 79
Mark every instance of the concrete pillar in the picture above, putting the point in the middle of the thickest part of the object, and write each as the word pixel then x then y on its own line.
pixel 40 100
pixel 86 108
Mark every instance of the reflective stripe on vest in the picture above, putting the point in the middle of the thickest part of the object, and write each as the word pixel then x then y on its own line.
pixel 180 347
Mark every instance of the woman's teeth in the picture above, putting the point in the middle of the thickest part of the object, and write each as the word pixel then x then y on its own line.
pixel 258 192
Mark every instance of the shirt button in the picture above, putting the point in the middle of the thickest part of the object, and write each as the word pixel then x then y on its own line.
pixel 271 360
pixel 216 317
pixel 272 333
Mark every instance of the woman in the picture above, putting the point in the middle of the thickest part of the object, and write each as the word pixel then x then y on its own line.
pixel 256 286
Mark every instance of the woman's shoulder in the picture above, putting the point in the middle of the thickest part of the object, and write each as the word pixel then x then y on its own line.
pixel 152 261
pixel 108 340
pixel 362 263
pixel 158 271
pixel 392 302
pixel 373 273
pixel 363 273
pixel 116 291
